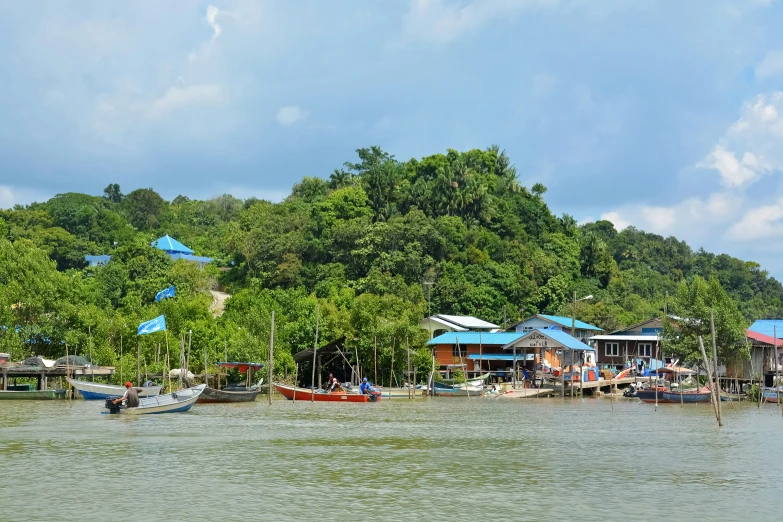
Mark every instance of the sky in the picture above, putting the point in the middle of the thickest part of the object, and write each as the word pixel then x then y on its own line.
pixel 663 115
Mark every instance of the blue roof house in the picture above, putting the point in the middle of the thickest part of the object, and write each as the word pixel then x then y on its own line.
pixel 582 330
pixel 97 260
pixel 177 250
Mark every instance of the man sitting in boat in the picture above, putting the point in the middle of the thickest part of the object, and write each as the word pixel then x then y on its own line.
pixel 364 387
pixel 334 385
pixel 131 398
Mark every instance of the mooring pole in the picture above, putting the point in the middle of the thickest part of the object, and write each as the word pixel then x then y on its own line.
pixel 271 348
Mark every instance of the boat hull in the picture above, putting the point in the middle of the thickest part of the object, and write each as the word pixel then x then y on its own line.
pixel 670 397
pixel 447 390
pixel 176 402
pixel 211 395
pixel 32 395
pixel 302 394
pixel 95 391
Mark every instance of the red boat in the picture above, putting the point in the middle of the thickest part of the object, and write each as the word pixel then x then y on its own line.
pixel 303 394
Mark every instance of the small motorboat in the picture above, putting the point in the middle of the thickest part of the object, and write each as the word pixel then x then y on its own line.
pixel 304 394
pixel 233 393
pixel 457 390
pixel 175 402
pixel 96 391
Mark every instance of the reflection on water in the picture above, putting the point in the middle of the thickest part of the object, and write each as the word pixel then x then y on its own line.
pixel 478 459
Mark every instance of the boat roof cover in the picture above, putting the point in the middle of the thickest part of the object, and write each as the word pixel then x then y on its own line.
pixel 241 366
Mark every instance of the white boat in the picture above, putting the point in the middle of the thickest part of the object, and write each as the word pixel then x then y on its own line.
pixel 95 391
pixel 178 401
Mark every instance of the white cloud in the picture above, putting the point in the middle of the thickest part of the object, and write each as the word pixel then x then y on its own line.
pixel 10 196
pixel 617 219
pixel 756 136
pixel 442 22
pixel 291 114
pixel 771 66
pixel 759 223
pixel 179 97
pixel 212 13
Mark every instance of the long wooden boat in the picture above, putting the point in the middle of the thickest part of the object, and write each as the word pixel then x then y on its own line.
pixel 771 395
pixel 699 395
pixel 178 401
pixel 96 391
pixel 303 394
pixel 476 381
pixel 211 395
pixel 32 395
pixel 447 390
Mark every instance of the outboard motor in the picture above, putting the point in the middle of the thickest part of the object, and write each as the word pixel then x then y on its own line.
pixel 113 408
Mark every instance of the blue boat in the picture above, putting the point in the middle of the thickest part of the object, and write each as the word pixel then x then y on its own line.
pixel 95 391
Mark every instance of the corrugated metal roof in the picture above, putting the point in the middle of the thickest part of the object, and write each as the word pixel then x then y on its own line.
pixel 467 321
pixel 488 338
pixel 563 339
pixel 169 244
pixel 566 321
pixel 768 327
pixel 188 257
pixel 766 339
pixel 618 337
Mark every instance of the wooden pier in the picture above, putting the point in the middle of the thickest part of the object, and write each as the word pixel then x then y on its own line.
pixel 555 390
pixel 43 374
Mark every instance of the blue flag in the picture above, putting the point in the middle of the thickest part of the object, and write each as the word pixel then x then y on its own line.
pixel 153 325
pixel 167 293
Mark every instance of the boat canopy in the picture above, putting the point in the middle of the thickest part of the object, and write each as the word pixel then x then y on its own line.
pixel 242 366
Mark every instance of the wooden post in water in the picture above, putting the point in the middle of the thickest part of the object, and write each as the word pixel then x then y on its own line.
pixel 761 374
pixel 717 378
pixel 657 375
pixel 138 360
pixel 92 364
pixel 67 373
pixel 181 360
pixel 206 373
pixel 190 340
pixel 271 357
pixel 709 378
pixel 408 348
pixel 121 372
pixel 296 378
pixel 315 349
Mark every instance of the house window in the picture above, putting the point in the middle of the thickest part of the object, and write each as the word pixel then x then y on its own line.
pixel 645 349
pixel 458 351
pixel 612 349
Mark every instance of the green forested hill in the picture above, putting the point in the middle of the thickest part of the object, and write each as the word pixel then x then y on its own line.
pixel 360 242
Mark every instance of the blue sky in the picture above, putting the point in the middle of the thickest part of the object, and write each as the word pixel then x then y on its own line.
pixel 664 115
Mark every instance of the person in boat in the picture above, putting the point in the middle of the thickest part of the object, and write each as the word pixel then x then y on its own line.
pixel 329 380
pixel 334 385
pixel 365 388
pixel 131 398
pixel 149 383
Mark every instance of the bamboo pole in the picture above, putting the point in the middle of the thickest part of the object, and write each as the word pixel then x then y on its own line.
pixel 709 378
pixel 92 364
pixel 408 348
pixel 167 361
pixel 391 368
pixel 138 359
pixel 271 356
pixel 657 373
pixel 776 383
pixel 715 358
pixel 206 373
pixel 121 372
pixel 375 358
pixel 761 374
pixel 181 360
pixel 315 349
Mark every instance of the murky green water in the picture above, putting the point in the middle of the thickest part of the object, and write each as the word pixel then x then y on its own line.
pixel 442 459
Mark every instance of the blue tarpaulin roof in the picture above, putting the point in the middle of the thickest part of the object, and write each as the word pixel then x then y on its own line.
pixel 768 327
pixel 500 356
pixel 488 338
pixel 566 321
pixel 169 244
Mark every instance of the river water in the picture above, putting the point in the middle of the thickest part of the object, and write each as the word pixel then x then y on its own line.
pixel 429 459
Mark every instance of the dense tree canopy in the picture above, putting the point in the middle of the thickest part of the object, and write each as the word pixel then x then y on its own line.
pixel 357 245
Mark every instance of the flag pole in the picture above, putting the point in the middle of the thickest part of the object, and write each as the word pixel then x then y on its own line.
pixel 167 359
